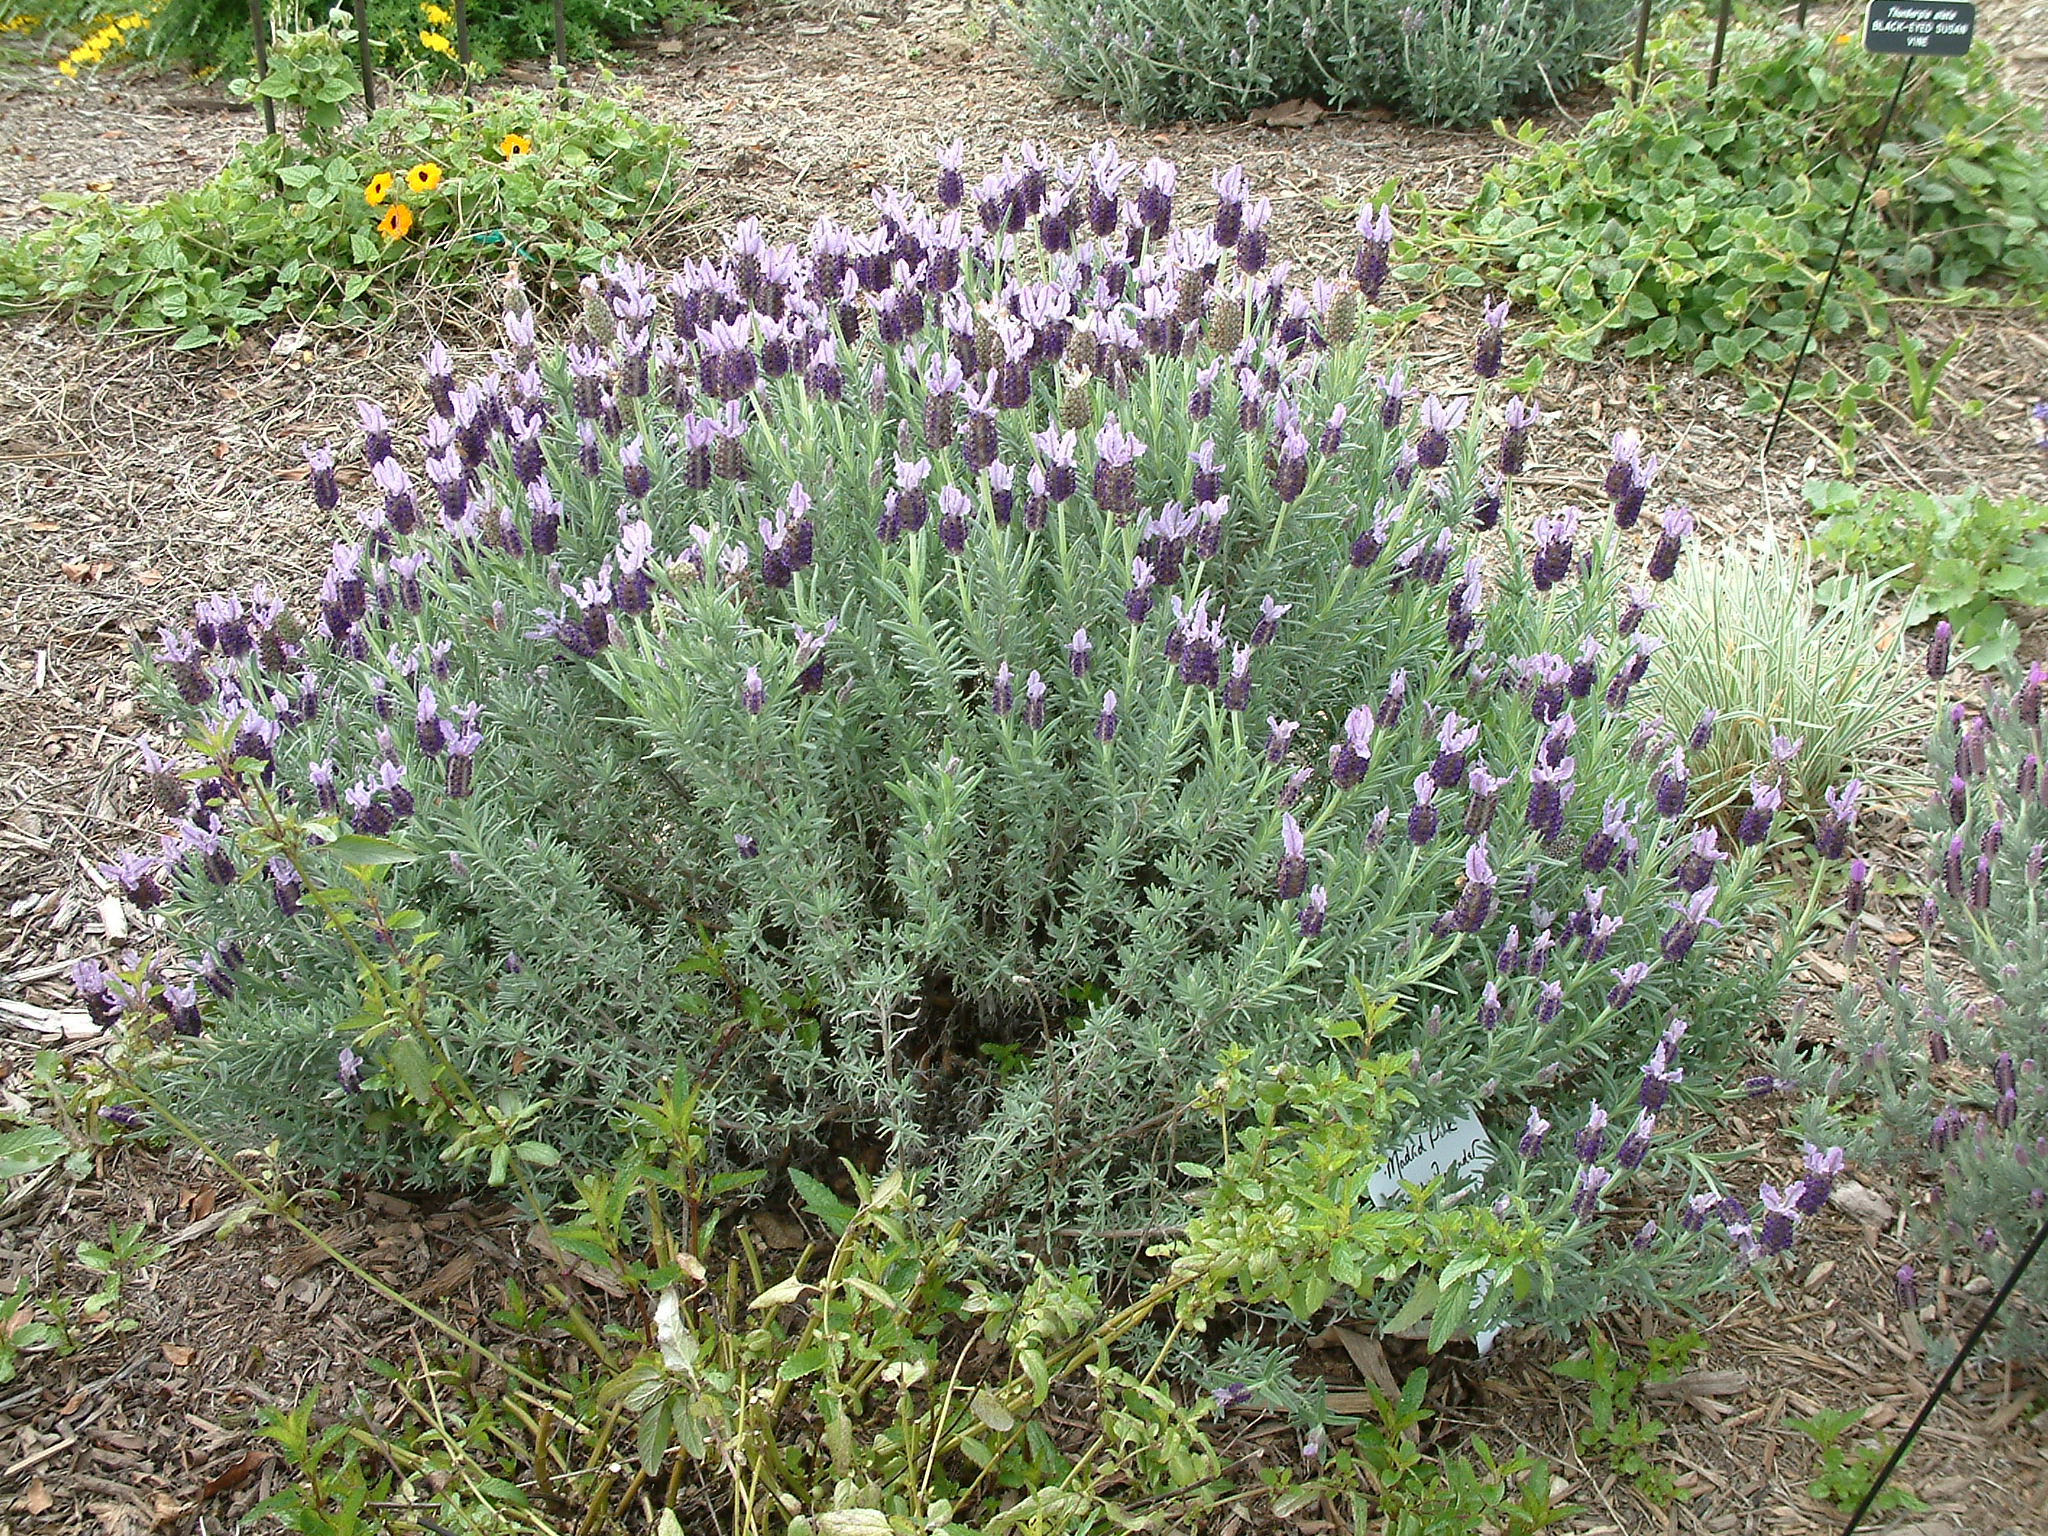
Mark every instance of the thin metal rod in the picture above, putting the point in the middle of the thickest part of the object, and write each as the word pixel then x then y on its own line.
pixel 1635 69
pixel 1802 15
pixel 561 40
pixel 363 65
pixel 259 43
pixel 1720 42
pixel 462 43
pixel 1841 245
pixel 1948 1377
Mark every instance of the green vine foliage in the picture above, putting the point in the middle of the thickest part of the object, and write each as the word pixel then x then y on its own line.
pixel 286 232
pixel 1699 228
pixel 1962 557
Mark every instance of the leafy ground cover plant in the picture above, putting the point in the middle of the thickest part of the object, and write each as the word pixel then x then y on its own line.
pixel 1963 557
pixel 943 690
pixel 1945 1077
pixel 1156 60
pixel 1698 229
pixel 428 192
pixel 864 1391
pixel 1779 659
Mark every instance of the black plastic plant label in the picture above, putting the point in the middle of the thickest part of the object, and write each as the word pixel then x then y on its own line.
pixel 1933 29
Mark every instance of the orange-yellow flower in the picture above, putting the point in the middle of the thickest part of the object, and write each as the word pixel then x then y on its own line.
pixel 514 144
pixel 379 188
pixel 424 177
pixel 396 222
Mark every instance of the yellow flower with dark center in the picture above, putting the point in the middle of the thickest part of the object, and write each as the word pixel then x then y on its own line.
pixel 515 144
pixel 424 177
pixel 379 188
pixel 396 223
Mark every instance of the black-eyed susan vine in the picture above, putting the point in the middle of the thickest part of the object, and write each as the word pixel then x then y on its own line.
pixel 411 37
pixel 108 37
pixel 432 192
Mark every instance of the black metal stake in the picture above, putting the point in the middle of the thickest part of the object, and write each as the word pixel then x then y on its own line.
pixel 561 41
pixel 1948 1377
pixel 1720 42
pixel 259 43
pixel 1802 15
pixel 462 43
pixel 1848 224
pixel 362 8
pixel 1635 69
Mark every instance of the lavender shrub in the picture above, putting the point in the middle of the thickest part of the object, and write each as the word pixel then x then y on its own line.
pixel 1945 1079
pixel 1044 650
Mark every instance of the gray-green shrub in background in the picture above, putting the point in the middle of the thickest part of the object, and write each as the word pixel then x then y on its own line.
pixel 942 691
pixel 1458 62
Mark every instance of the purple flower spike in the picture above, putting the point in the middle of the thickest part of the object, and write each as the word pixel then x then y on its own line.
pixel 1106 722
pixel 1491 1010
pixel 1533 1130
pixel 952 187
pixel 1938 650
pixel 1422 816
pixel 1626 980
pixel 1822 1168
pixel 1669 786
pixel 1079 650
pixel 1520 418
pixel 1692 912
pixel 1439 421
pixel 348 1070
pixel 1001 699
pixel 1033 714
pixel 1313 912
pixel 1755 826
pixel 1857 891
pixel 1781 1217
pixel 1280 736
pixel 1350 757
pixel 1138 600
pixel 1268 625
pixel 1486 355
pixel 1375 247
pixel 1475 901
pixel 1636 1145
pixel 1116 478
pixel 1831 836
pixel 753 692
pixel 1291 879
pixel 1550 786
pixel 1677 522
pixel 1586 1197
pixel 1590 1143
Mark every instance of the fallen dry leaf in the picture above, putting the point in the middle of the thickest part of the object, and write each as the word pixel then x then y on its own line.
pixel 37 1499
pixel 1298 113
pixel 179 1355
pixel 86 572
pixel 236 1475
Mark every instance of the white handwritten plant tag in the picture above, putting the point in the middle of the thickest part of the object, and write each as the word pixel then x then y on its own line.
pixel 1460 1149
pixel 1460 1152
